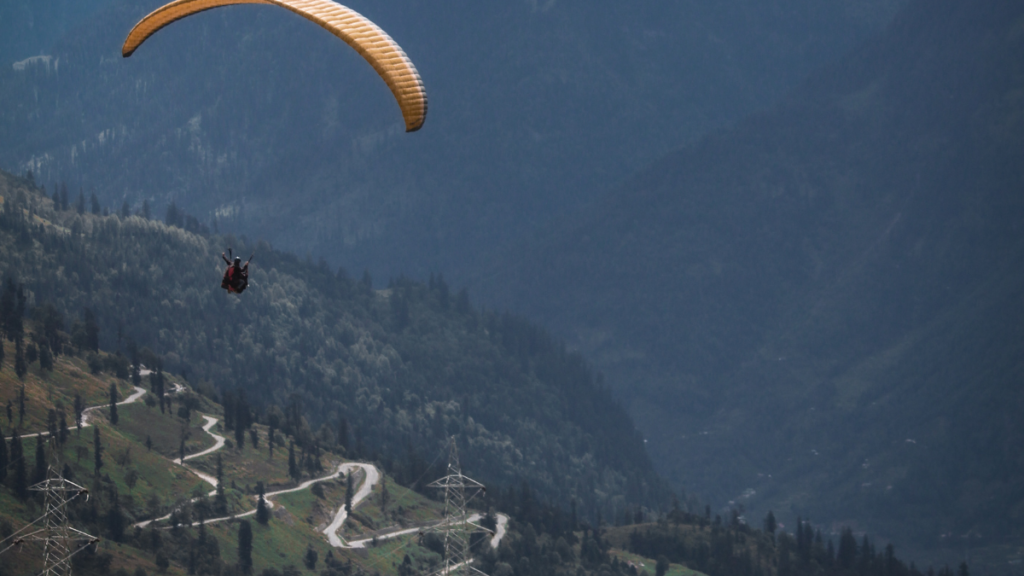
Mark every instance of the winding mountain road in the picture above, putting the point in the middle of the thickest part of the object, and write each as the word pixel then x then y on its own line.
pixel 139 393
pixel 364 491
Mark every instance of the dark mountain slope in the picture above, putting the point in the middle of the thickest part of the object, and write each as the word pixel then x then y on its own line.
pixel 399 370
pixel 255 115
pixel 823 303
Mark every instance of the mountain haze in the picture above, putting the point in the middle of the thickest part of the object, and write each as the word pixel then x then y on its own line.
pixel 818 311
pixel 258 117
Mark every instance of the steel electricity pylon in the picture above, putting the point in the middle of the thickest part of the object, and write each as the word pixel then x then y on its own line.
pixel 60 540
pixel 458 491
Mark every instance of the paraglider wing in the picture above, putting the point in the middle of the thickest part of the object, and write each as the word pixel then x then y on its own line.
pixel 372 43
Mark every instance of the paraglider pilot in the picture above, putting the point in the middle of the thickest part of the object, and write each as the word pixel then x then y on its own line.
pixel 236 277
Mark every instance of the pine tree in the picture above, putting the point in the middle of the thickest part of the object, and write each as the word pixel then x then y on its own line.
pixel 220 501
pixel 349 492
pixel 3 458
pixel 63 196
pixel 245 547
pixel 80 205
pixel 239 436
pixel 173 217
pixel 45 357
pixel 343 434
pixel 262 511
pixel 310 558
pixel 293 469
pixel 20 366
pixel 113 404
pixel 662 566
pixel 19 483
pixel 270 441
pixel 146 212
pixel 7 305
pixel 79 410
pixel 385 496
pixel 97 450
pixel 115 519
pixel 94 204
pixel 125 211
pixel 92 330
pixel 21 405
pixel 63 433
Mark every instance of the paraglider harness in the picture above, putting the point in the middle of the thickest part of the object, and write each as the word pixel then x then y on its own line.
pixel 236 277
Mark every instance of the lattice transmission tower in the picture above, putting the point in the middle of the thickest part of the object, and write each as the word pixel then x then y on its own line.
pixel 60 540
pixel 458 491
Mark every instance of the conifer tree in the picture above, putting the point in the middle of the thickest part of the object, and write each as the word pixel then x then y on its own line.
pixel 79 410
pixel 51 423
pixel 63 433
pixel 97 450
pixel 20 366
pixel 239 436
pixel 92 330
pixel 343 433
pixel 310 558
pixel 125 211
pixel 21 405
pixel 113 404
pixel 262 510
pixel 220 501
pixel 45 357
pixel 80 205
pixel 115 519
pixel 8 302
pixel 270 440
pixel 39 472
pixel 31 353
pixel 3 458
pixel 63 196
pixel 349 492
pixel 293 469
pixel 19 482
pixel 94 204
pixel 146 212
pixel 245 547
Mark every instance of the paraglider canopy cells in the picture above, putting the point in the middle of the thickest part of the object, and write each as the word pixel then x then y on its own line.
pixel 372 43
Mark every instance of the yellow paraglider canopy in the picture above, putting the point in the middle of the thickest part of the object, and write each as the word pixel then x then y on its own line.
pixel 372 43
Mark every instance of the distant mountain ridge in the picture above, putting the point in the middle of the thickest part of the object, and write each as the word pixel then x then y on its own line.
pixel 256 116
pixel 822 304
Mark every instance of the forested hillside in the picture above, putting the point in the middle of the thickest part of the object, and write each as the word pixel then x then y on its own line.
pixel 535 106
pixel 819 310
pixel 392 372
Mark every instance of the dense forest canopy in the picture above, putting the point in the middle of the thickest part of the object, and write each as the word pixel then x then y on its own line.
pixel 397 371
